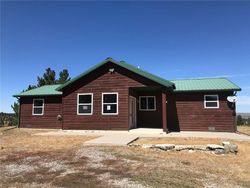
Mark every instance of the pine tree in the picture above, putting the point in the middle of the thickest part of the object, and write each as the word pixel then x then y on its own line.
pixel 63 77
pixel 15 108
pixel 49 78
pixel 239 120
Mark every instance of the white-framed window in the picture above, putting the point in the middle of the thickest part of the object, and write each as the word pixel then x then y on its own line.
pixel 110 103
pixel 147 103
pixel 38 107
pixel 84 103
pixel 211 101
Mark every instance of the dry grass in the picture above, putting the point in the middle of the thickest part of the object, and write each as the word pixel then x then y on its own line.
pixel 244 129
pixel 63 161
pixel 223 170
pixel 23 139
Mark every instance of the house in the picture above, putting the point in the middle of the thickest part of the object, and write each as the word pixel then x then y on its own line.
pixel 118 96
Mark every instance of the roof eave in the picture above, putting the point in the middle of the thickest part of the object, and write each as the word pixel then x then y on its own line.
pixel 207 90
pixel 40 95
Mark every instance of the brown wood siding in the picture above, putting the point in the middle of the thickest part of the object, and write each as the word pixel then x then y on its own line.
pixel 52 107
pixel 98 82
pixel 186 112
pixel 150 119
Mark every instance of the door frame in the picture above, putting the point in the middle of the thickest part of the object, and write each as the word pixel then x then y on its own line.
pixel 135 112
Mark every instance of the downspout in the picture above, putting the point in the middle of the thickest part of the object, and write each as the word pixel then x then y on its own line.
pixel 235 114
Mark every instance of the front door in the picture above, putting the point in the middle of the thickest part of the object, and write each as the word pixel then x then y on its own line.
pixel 132 112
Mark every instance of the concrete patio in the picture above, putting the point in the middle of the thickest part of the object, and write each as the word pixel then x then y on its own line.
pixel 123 138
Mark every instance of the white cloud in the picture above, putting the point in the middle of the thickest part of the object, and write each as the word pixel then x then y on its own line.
pixel 243 100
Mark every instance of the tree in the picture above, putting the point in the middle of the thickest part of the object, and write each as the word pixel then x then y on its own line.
pixel 31 87
pixel 49 78
pixel 239 120
pixel 248 121
pixel 1 119
pixel 15 108
pixel 63 76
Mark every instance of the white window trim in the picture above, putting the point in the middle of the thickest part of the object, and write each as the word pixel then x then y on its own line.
pixel 147 103
pixel 38 107
pixel 217 101
pixel 117 103
pixel 84 114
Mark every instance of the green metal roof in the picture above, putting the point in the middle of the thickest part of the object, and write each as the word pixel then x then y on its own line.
pixel 205 84
pixel 41 91
pixel 127 66
pixel 187 85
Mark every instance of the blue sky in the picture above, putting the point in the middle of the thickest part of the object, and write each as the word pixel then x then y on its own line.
pixel 174 40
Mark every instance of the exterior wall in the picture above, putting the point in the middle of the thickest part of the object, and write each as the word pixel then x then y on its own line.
pixel 150 119
pixel 186 112
pixel 98 82
pixel 52 107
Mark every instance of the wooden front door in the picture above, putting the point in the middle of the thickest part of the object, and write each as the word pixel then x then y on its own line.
pixel 132 112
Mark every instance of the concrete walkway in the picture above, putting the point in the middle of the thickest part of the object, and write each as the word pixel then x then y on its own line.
pixel 113 140
pixel 222 135
pixel 124 137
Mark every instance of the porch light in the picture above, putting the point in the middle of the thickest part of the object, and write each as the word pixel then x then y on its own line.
pixel 111 70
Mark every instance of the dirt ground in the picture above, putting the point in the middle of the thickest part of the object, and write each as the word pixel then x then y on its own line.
pixel 244 129
pixel 64 161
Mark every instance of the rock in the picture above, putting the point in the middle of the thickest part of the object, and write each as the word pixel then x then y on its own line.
pixel 190 147
pixel 219 151
pixel 182 147
pixel 233 148
pixel 226 149
pixel 134 145
pixel 200 147
pixel 225 143
pixel 214 146
pixel 164 146
pixel 146 146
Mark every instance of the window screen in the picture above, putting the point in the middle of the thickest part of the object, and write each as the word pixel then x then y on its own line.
pixel 85 104
pixel 38 107
pixel 147 103
pixel 211 101
pixel 110 103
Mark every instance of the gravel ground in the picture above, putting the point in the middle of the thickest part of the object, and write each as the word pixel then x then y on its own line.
pixel 96 157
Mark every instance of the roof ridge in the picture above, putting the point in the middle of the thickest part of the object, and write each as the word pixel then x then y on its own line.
pixel 144 71
pixel 200 78
pixel 125 65
pixel 49 85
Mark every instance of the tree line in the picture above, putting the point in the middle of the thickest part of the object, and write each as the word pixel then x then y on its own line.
pixel 48 78
pixel 243 121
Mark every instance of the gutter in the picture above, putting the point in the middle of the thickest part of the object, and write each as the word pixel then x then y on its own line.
pixel 209 90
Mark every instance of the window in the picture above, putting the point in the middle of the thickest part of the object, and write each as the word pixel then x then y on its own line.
pixel 147 103
pixel 211 101
pixel 85 104
pixel 109 103
pixel 38 107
